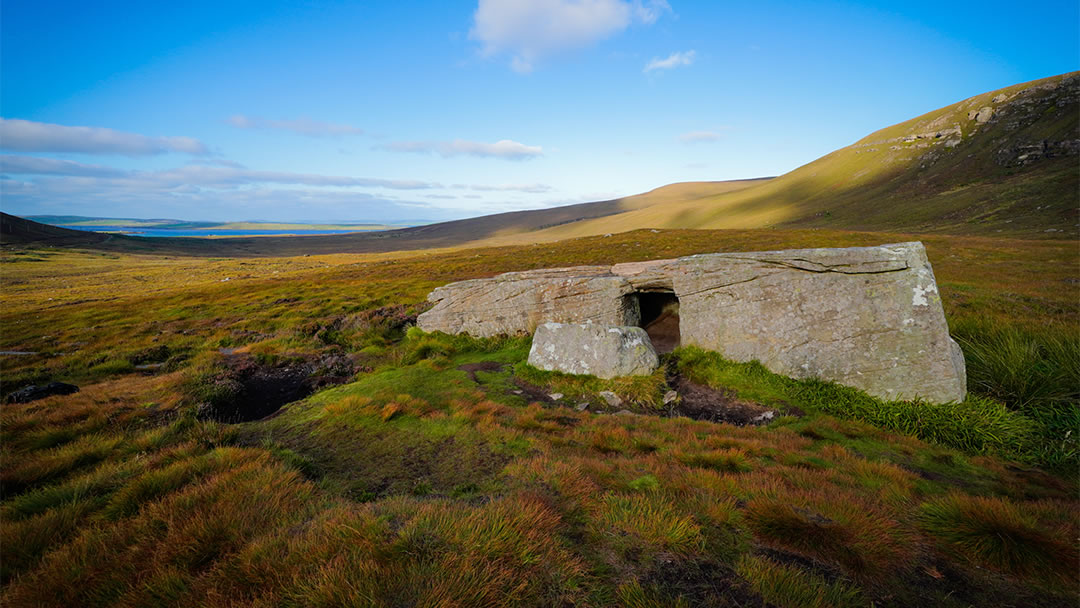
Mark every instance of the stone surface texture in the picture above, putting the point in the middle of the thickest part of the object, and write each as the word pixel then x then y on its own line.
pixel 600 350
pixel 867 317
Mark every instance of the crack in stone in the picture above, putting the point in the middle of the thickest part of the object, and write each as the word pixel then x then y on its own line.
pixel 700 291
pixel 827 268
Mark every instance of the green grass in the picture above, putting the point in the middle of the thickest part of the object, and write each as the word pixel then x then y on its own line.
pixel 1033 371
pixel 976 425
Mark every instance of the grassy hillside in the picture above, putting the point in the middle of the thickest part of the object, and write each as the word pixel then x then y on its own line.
pixel 16 230
pixel 1011 170
pixel 430 470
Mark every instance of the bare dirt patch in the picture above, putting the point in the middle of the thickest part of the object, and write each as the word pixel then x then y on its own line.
pixel 531 392
pixel 701 402
pixel 482 366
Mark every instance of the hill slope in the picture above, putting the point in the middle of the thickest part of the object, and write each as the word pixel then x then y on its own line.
pixel 16 230
pixel 1003 161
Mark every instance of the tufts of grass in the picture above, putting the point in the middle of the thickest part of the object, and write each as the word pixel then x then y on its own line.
pixel 1026 369
pixel 111 367
pixel 148 487
pixel 570 487
pixel 731 460
pixel 1031 370
pixel 634 595
pixel 610 440
pixel 57 462
pixel 833 527
pixel 645 483
pixel 789 587
pixel 438 553
pixel 169 542
pixel 997 533
pixel 26 540
pixel 91 487
pixel 648 521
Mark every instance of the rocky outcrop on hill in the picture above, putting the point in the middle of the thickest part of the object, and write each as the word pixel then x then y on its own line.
pixel 867 317
pixel 1011 113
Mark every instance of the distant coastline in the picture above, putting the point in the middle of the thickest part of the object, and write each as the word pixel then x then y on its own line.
pixel 181 228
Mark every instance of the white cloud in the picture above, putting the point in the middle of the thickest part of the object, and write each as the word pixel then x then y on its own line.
pixel 529 30
pixel 33 165
pixel 650 12
pixel 505 149
pixel 300 126
pixel 230 175
pixel 672 61
pixel 219 189
pixel 528 188
pixel 117 198
pixel 701 137
pixel 30 136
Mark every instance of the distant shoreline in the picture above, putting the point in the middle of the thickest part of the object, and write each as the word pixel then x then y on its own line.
pixel 214 232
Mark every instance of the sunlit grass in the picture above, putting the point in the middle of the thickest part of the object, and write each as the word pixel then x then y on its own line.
pixel 789 587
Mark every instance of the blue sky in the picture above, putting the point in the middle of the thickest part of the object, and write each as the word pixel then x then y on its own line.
pixel 336 111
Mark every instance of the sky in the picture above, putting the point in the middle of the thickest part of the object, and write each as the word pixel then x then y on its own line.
pixel 431 110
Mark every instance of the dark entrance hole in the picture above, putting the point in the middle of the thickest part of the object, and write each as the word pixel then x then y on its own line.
pixel 660 319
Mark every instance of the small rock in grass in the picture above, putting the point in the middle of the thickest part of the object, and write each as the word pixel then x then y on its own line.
pixel 625 413
pixel 581 407
pixel 670 397
pixel 556 396
pixel 769 415
pixel 611 398
pixel 35 392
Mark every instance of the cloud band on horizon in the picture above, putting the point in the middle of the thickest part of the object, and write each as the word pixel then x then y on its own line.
pixel 30 136
pixel 300 126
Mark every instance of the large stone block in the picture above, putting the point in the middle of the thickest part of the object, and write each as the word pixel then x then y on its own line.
pixel 518 302
pixel 868 317
pixel 600 350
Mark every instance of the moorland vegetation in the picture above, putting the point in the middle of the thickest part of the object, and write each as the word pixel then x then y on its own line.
pixel 439 470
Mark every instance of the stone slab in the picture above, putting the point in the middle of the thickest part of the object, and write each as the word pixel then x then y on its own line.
pixel 867 317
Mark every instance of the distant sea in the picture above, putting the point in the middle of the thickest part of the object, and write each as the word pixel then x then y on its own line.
pixel 140 231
